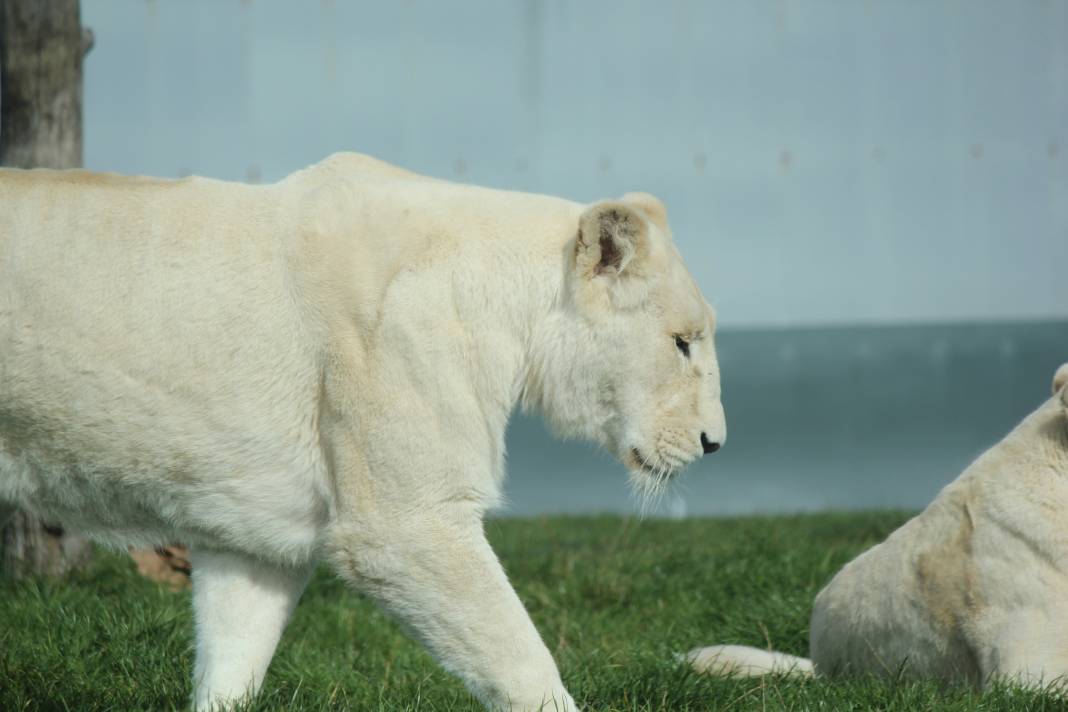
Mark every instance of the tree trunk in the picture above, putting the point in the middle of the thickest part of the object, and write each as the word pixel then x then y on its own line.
pixel 42 44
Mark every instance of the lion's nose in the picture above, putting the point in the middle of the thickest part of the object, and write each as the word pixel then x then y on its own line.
pixel 707 446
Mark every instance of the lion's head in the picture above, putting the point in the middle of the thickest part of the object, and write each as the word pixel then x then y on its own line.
pixel 627 358
pixel 1060 384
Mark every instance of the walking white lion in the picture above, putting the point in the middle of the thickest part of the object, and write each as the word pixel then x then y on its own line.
pixel 323 368
pixel 974 589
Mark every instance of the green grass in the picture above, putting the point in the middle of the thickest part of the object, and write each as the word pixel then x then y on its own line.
pixel 613 598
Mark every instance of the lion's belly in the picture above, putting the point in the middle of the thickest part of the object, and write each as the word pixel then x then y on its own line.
pixel 121 509
pixel 125 477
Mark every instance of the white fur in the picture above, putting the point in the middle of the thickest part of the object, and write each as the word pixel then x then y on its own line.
pixel 241 606
pixel 973 589
pixel 324 368
pixel 743 661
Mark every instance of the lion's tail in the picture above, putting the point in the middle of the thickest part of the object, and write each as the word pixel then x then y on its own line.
pixel 742 661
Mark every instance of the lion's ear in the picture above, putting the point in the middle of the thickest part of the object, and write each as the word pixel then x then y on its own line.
pixel 613 240
pixel 1060 378
pixel 1060 385
pixel 652 207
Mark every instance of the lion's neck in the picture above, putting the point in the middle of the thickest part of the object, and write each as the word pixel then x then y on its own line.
pixel 502 313
pixel 444 314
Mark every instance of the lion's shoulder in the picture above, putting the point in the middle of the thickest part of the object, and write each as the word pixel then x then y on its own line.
pixel 356 166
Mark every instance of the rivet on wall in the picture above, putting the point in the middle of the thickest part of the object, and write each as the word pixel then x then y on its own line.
pixel 700 160
pixel 786 159
pixel 940 350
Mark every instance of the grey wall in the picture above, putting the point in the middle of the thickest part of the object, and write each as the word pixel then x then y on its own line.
pixel 823 162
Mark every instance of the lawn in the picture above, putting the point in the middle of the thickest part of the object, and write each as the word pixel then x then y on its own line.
pixel 614 599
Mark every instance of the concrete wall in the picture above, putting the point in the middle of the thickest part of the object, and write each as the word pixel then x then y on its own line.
pixel 823 161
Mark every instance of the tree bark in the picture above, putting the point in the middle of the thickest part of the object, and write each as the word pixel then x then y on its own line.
pixel 42 44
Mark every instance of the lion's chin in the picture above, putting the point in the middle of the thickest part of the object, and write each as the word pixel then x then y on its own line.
pixel 645 466
pixel 649 479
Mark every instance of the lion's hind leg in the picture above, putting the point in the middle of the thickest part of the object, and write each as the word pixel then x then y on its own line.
pixel 241 607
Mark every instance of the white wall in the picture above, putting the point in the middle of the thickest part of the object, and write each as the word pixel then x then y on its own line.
pixel 823 162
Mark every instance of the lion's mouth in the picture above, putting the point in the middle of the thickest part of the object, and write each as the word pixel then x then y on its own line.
pixel 645 465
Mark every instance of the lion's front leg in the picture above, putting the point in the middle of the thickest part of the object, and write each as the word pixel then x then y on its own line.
pixel 441 577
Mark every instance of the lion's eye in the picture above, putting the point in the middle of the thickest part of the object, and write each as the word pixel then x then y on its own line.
pixel 683 345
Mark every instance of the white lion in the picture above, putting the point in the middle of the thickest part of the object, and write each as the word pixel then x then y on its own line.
pixel 973 589
pixel 323 368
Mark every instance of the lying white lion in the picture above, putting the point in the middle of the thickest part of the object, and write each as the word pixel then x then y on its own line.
pixel 323 369
pixel 973 589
